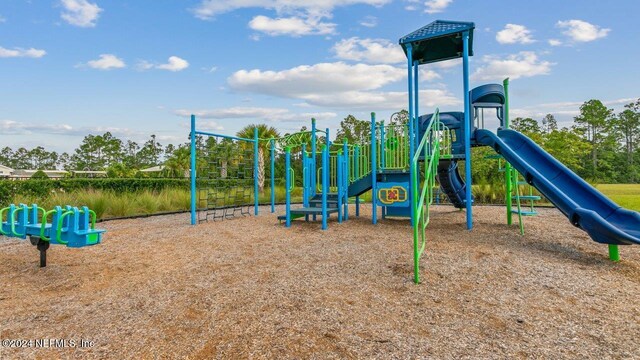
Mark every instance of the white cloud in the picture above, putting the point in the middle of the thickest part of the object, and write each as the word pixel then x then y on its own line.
pixel 380 100
pixel 323 78
pixel 293 26
pixel 20 52
pixel 514 34
pixel 369 21
pixel 582 31
pixel 254 113
pixel 436 6
pixel 554 42
pixel 106 62
pixel 80 12
pixel 522 64
pixel 143 65
pixel 11 127
pixel 428 75
pixel 210 125
pixel 294 17
pixel 3 19
pixel 233 113
pixel 174 64
pixel 208 9
pixel 375 51
pixel 338 85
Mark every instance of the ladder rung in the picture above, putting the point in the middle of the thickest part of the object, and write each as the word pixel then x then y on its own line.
pixel 527 197
pixel 525 213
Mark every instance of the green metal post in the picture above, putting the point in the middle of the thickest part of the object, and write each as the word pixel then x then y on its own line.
pixel 515 181
pixel 507 167
pixel 256 194
pixel 614 253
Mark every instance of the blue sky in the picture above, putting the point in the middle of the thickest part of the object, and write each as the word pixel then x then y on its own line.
pixel 73 67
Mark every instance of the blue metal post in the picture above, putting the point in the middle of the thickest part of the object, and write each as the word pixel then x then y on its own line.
pixel 273 171
pixel 411 121
pixel 467 127
pixel 339 176
pixel 305 198
pixel 194 190
pixel 374 170
pixel 287 184
pixel 256 194
pixel 325 185
pixel 345 150
pixel 313 155
pixel 356 154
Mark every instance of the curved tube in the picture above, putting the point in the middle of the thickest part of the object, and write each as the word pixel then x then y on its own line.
pixel 59 227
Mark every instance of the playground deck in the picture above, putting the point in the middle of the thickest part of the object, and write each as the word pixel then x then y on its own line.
pixel 249 287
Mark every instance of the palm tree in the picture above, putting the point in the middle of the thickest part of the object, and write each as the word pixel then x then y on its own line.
pixel 265 132
pixel 179 162
pixel 224 151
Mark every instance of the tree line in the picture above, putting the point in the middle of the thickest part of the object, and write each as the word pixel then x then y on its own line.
pixel 600 146
pixel 95 152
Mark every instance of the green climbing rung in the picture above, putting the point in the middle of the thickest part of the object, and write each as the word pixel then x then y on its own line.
pixel 525 213
pixel 528 197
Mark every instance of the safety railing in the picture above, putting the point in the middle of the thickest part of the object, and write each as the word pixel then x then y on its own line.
pixel 429 149
pixel 359 161
pixel 393 147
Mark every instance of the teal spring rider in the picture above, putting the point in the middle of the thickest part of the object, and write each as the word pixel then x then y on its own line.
pixel 70 226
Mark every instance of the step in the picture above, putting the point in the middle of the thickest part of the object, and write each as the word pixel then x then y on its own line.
pixel 330 196
pixel 312 211
pixel 527 197
pixel 393 171
pixel 293 217
pixel 330 203
pixel 525 212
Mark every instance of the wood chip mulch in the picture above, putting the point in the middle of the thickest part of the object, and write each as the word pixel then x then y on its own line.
pixel 251 288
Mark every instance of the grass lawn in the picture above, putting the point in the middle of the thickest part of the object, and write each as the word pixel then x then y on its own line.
pixel 625 195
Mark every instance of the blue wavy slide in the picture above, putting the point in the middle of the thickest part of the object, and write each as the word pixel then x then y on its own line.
pixel 587 208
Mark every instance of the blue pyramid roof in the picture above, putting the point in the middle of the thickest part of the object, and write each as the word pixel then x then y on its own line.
pixel 438 41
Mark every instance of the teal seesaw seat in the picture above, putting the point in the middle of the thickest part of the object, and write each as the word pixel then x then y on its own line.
pixel 69 226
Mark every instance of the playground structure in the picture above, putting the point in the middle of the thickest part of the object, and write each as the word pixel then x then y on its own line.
pixel 401 162
pixel 70 226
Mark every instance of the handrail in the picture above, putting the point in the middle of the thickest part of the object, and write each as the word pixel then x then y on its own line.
pixel 8 220
pixel 13 221
pixel 59 227
pixel 93 219
pixel 293 177
pixel 422 203
pixel 43 226
pixel 38 208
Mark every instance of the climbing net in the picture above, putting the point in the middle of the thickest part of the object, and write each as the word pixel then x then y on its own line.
pixel 225 179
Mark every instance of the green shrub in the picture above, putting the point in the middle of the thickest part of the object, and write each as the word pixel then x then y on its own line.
pixel 40 175
pixel 40 190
